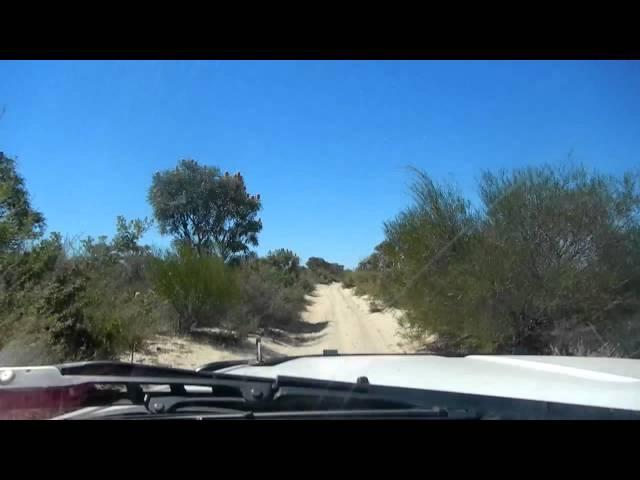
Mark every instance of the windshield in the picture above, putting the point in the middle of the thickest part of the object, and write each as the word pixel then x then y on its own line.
pixel 177 213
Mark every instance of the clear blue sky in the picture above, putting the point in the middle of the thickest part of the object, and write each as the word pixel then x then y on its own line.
pixel 324 143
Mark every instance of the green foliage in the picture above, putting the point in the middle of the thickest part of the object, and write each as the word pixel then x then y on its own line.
pixel 348 280
pixel 97 250
pixel 102 298
pixel 96 303
pixel 566 241
pixel 550 258
pixel 324 271
pixel 55 306
pixel 286 263
pixel 123 318
pixel 203 209
pixel 63 302
pixel 366 282
pixel 307 281
pixel 268 299
pixel 124 244
pixel 23 271
pixel 129 234
pixel 96 312
pixel 199 287
pixel 23 277
pixel 19 222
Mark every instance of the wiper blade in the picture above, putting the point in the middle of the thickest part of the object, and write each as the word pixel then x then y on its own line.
pixel 386 414
pixel 230 414
pixel 214 391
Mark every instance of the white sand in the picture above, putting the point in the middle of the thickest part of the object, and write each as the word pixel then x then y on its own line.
pixel 337 319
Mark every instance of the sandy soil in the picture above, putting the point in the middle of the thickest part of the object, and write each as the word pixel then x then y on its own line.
pixel 335 319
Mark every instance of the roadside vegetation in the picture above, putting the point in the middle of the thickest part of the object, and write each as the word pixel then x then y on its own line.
pixel 101 298
pixel 547 263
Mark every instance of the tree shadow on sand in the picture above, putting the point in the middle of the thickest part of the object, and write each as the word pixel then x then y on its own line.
pixel 293 334
pixel 298 327
pixel 297 333
pixel 242 347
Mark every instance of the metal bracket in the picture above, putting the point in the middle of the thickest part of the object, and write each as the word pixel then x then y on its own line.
pixel 259 349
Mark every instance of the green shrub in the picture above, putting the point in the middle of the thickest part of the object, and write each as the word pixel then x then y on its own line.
pixel 348 281
pixel 268 299
pixel 307 282
pixel 69 333
pixel 548 262
pixel 323 271
pixel 62 302
pixel 286 263
pixel 199 287
pixel 124 314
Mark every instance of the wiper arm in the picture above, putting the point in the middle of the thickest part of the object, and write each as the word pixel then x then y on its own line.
pixel 169 403
pixel 224 414
pixel 255 394
pixel 217 391
pixel 387 414
pixel 292 394
pixel 284 394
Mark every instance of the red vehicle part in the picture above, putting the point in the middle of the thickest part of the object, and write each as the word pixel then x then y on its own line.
pixel 43 403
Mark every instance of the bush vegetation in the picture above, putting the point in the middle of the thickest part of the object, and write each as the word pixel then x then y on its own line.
pixel 548 263
pixel 323 271
pixel 199 287
pixel 270 297
pixel 102 298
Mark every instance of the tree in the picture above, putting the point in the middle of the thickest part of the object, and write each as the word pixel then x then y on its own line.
pixel 286 263
pixel 19 222
pixel 125 242
pixel 205 210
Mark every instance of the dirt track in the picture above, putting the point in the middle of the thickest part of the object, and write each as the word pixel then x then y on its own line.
pixel 335 319
pixel 351 328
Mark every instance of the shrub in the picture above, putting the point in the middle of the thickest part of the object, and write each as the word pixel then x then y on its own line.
pixel 548 262
pixel 69 334
pixel 348 281
pixel 267 299
pixel 61 302
pixel 324 271
pixel 124 311
pixel 307 282
pixel 199 287
pixel 286 263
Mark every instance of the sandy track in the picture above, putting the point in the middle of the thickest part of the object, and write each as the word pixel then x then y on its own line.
pixel 335 319
pixel 352 328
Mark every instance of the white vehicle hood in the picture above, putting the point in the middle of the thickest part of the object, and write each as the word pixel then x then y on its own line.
pixel 598 382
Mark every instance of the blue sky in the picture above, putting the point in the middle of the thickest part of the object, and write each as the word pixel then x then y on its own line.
pixel 326 144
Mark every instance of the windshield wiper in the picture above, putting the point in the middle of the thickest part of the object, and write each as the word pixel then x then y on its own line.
pixel 95 382
pixel 213 393
pixel 223 414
